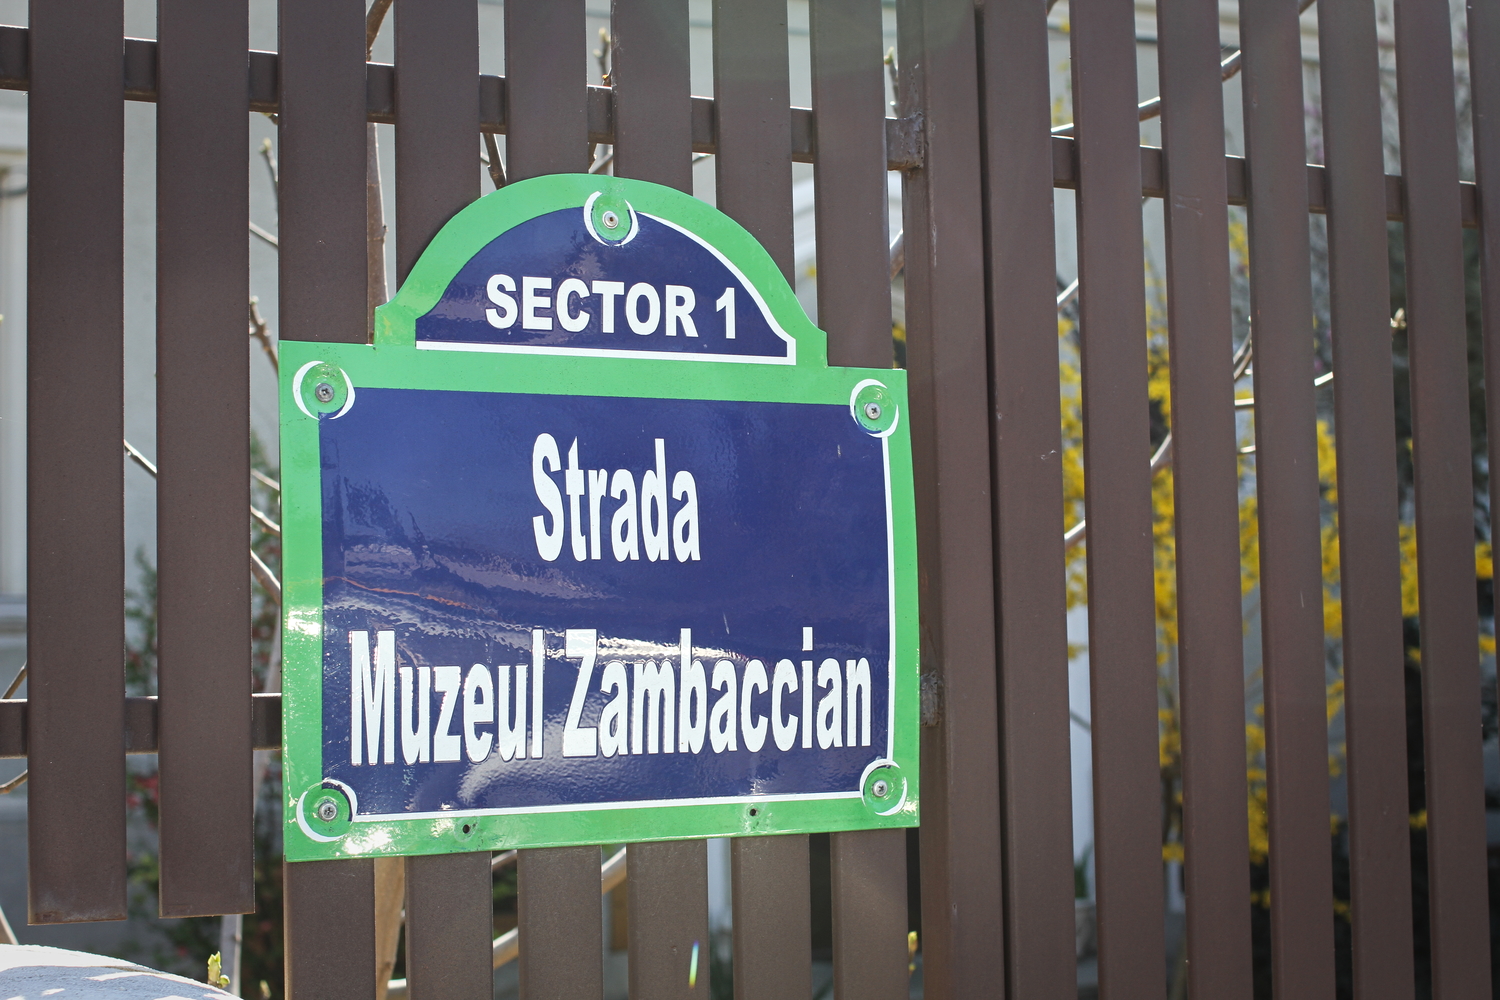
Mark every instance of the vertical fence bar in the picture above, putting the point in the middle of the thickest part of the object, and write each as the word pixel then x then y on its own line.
pixel 752 99
pixel 961 842
pixel 668 881
pixel 448 925
pixel 330 927
pixel 1369 561
pixel 769 889
pixel 1122 640
pixel 770 880
pixel 330 905
pixel 869 914
pixel 557 889
pixel 649 70
pixel 546 114
pixel 849 182
pixel 668 901
pixel 1445 502
pixel 1287 498
pixel 561 924
pixel 322 188
pixel 75 505
pixel 1484 92
pixel 1031 604
pixel 854 307
pixel 448 896
pixel 437 120
pixel 203 456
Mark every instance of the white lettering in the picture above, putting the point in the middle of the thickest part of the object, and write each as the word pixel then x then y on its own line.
pixel 858 687
pixel 479 710
pixel 680 303
pixel 693 721
pixel 538 668
pixel 580 741
pixel 416 741
pixel 598 486
pixel 721 731
pixel 830 706
pixel 608 291
pixel 653 704
pixel 725 305
pixel 532 300
pixel 510 739
pixel 504 317
pixel 612 721
pixel 638 292
pixel 755 732
pixel 654 505
pixel 622 527
pixel 574 480
pixel 372 700
pixel 685 522
pixel 572 322
pixel 548 542
pixel 785 679
pixel 446 745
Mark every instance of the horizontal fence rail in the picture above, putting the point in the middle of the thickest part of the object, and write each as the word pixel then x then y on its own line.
pixel 141 724
pixel 904 139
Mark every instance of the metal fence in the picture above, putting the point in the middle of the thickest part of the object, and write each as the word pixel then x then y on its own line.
pixel 980 162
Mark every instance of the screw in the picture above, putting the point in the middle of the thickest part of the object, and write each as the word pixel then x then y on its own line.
pixel 328 810
pixel 880 788
pixel 611 220
pixel 872 411
pixel 324 392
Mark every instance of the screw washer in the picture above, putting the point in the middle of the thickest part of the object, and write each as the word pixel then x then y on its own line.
pixel 324 392
pixel 328 810
pixel 880 788
pixel 610 219
pixel 872 411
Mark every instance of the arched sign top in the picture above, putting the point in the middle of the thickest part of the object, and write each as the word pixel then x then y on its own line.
pixel 583 265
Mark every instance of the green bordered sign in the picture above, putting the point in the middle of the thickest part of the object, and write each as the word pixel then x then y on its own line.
pixel 592 546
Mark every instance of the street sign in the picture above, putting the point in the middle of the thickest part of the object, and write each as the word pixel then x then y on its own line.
pixel 592 546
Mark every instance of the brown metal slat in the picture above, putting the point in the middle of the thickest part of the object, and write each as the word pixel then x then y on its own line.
pixel 437 115
pixel 868 868
pixel 849 182
pixel 770 876
pixel 330 929
pixel 1369 560
pixel 668 904
pixel 653 105
pixel 752 96
pixel 1117 450
pixel 203 449
pixel 668 881
pixel 330 905
pixel 770 886
pixel 448 896
pixel 1031 598
pixel 1288 503
pixel 75 503
pixel 561 924
pixel 448 926
pixel 962 886
pixel 1453 770
pixel 546 109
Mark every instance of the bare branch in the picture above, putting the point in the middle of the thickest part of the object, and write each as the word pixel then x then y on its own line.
pixel 15 682
pixel 493 162
pixel 602 56
pixel 140 459
pixel 265 577
pixel 260 331
pixel 15 782
pixel 373 20
pixel 266 480
pixel 898 254
pixel 1067 294
pixel 268 153
pixel 256 230
pixel 502 860
pixel 265 522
